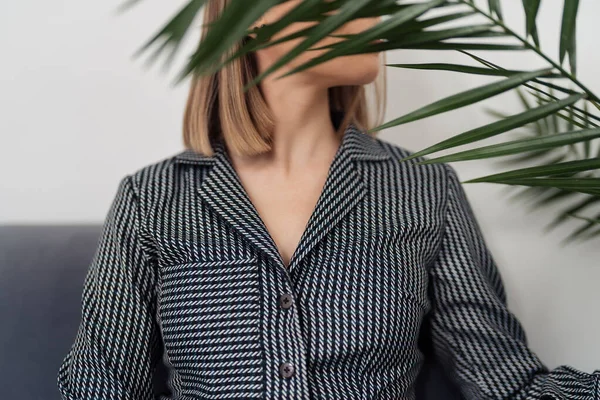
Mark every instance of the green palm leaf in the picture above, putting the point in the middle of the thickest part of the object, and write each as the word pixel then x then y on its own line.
pixel 465 98
pixel 468 69
pixel 579 206
pixel 346 12
pixel 567 32
pixel 552 169
pixel 174 31
pixel 231 26
pixel 531 10
pixel 498 127
pixel 517 146
pixel 349 46
pixel 494 6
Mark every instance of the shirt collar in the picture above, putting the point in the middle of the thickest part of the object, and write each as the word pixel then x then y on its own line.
pixel 356 143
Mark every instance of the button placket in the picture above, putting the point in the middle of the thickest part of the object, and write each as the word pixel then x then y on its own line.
pixel 286 369
pixel 286 351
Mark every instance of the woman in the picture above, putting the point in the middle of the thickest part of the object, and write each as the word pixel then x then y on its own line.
pixel 287 254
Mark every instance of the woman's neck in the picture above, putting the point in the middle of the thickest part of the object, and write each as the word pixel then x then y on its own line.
pixel 304 131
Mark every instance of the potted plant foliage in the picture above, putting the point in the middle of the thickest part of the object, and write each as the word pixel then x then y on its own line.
pixel 560 114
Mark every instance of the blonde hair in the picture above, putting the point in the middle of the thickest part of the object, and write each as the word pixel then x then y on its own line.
pixel 218 108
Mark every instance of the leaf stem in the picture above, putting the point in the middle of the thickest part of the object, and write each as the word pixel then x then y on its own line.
pixel 573 79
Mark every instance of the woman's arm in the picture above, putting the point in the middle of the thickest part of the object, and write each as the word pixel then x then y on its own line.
pixel 479 341
pixel 117 344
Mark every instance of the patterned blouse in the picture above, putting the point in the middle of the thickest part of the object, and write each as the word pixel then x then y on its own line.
pixel 186 272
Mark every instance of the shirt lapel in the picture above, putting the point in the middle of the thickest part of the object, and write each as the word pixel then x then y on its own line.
pixel 344 188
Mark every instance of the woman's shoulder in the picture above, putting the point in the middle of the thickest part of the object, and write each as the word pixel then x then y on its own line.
pixel 161 175
pixel 416 166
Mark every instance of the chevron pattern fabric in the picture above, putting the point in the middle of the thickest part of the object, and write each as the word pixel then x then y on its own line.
pixel 185 271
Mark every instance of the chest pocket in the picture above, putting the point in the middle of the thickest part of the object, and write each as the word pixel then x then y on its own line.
pixel 383 280
pixel 399 260
pixel 210 315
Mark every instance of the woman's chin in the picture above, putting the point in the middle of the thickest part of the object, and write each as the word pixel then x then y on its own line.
pixel 364 76
pixel 364 68
pixel 358 69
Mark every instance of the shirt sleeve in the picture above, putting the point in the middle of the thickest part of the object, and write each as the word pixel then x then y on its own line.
pixel 116 347
pixel 478 341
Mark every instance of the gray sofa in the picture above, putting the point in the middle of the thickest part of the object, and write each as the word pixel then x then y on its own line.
pixel 42 269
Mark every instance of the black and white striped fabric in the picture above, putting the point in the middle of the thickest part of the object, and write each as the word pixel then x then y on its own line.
pixel 186 271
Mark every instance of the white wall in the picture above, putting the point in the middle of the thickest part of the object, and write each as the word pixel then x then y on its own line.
pixel 78 113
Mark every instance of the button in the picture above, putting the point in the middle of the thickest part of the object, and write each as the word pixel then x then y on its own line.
pixel 285 301
pixel 287 370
